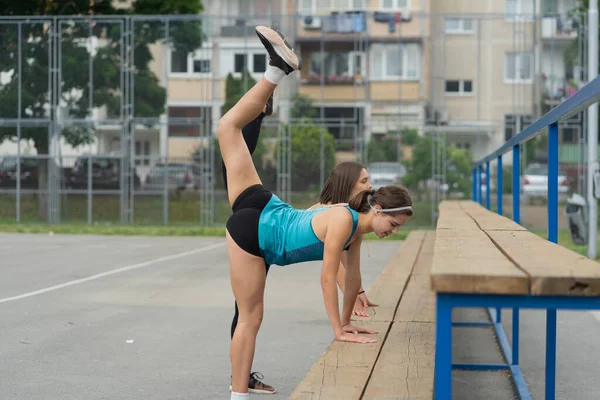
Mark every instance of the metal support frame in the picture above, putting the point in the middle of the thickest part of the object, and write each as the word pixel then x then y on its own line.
pixel 590 94
pixel 443 353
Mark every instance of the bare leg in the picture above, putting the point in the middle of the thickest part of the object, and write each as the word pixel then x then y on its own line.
pixel 248 277
pixel 241 172
pixel 250 132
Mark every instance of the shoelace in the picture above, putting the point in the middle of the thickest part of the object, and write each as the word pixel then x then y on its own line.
pixel 257 376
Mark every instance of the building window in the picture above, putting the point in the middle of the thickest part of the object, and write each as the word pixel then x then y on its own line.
pixel 518 67
pixel 460 26
pixel 201 66
pixel 395 62
pixel 459 87
pixel 513 124
pixel 518 9
pixel 179 62
pixel 259 63
pixel 190 121
pixel 335 66
pixel 570 134
pixel 251 61
pixel 311 7
pixel 198 62
pixel 142 152
pixel 239 63
pixel 394 4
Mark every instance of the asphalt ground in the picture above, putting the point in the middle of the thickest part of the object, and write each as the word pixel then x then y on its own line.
pixel 108 317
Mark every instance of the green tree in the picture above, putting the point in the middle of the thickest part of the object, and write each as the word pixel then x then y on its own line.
pixel 235 88
pixel 409 136
pixel 382 149
pixel 458 167
pixel 302 107
pixel 306 155
pixel 76 50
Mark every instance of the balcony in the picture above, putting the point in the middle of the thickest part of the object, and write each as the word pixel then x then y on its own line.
pixel 557 89
pixel 336 79
pixel 558 27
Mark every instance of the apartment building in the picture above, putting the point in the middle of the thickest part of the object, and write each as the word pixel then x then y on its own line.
pixel 367 63
pixel 499 65
pixel 475 71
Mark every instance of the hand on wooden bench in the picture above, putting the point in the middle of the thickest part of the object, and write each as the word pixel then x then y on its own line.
pixel 351 334
pixel 361 305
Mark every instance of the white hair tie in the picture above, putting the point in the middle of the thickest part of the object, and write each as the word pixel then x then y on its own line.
pixel 392 209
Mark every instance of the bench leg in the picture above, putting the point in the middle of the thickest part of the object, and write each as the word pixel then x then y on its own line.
pixel 443 348
pixel 550 354
pixel 515 336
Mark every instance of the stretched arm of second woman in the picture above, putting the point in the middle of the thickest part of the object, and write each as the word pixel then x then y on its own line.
pixel 338 231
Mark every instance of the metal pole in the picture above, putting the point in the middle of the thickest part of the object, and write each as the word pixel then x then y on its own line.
pixel 474 194
pixel 479 191
pixel 499 185
pixel 516 184
pixel 19 105
pixel 592 130
pixel 487 186
pixel 553 183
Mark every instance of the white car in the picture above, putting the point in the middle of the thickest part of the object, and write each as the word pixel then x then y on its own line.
pixel 535 183
pixel 385 173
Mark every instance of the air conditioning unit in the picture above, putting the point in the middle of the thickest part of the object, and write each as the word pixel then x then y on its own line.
pixel 441 117
pixel 310 22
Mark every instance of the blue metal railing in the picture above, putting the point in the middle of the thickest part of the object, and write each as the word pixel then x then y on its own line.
pixel 575 104
pixel 588 95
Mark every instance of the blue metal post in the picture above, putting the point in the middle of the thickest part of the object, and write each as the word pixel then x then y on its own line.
pixel 474 196
pixel 487 185
pixel 443 348
pixel 515 336
pixel 550 354
pixel 499 184
pixel 516 181
pixel 479 173
pixel 553 183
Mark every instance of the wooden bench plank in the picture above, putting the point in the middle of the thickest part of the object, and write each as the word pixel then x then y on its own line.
pixel 489 220
pixel 468 262
pixel 554 270
pixel 388 287
pixel 454 217
pixel 418 300
pixel 342 370
pixel 406 364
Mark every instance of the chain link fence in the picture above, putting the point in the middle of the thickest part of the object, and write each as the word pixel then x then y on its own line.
pixel 113 119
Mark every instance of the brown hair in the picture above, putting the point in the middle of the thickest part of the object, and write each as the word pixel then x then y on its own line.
pixel 391 196
pixel 340 182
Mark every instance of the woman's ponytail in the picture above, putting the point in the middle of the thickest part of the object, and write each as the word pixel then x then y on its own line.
pixel 360 202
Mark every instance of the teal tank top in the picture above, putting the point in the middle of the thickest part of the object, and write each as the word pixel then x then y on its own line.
pixel 285 234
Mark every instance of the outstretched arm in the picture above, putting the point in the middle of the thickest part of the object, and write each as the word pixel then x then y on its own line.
pixel 361 303
pixel 338 231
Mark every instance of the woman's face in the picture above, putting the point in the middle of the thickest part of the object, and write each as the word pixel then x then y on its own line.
pixel 361 184
pixel 384 224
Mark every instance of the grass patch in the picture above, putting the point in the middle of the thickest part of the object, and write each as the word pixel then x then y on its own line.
pixel 111 230
pixel 564 239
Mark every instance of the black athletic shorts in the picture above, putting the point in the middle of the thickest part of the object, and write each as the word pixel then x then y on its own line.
pixel 242 225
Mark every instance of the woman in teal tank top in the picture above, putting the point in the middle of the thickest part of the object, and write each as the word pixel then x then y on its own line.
pixel 254 231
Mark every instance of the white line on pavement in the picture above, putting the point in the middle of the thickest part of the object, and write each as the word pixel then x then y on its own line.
pixel 114 271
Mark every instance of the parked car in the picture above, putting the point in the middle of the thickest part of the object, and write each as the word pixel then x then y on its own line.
pixel 178 176
pixel 106 174
pixel 29 172
pixel 484 183
pixel 535 183
pixel 385 173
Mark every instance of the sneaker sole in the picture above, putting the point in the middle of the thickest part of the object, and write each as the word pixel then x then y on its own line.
pixel 256 391
pixel 281 47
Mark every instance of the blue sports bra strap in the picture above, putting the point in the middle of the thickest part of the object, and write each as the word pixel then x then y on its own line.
pixel 354 214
